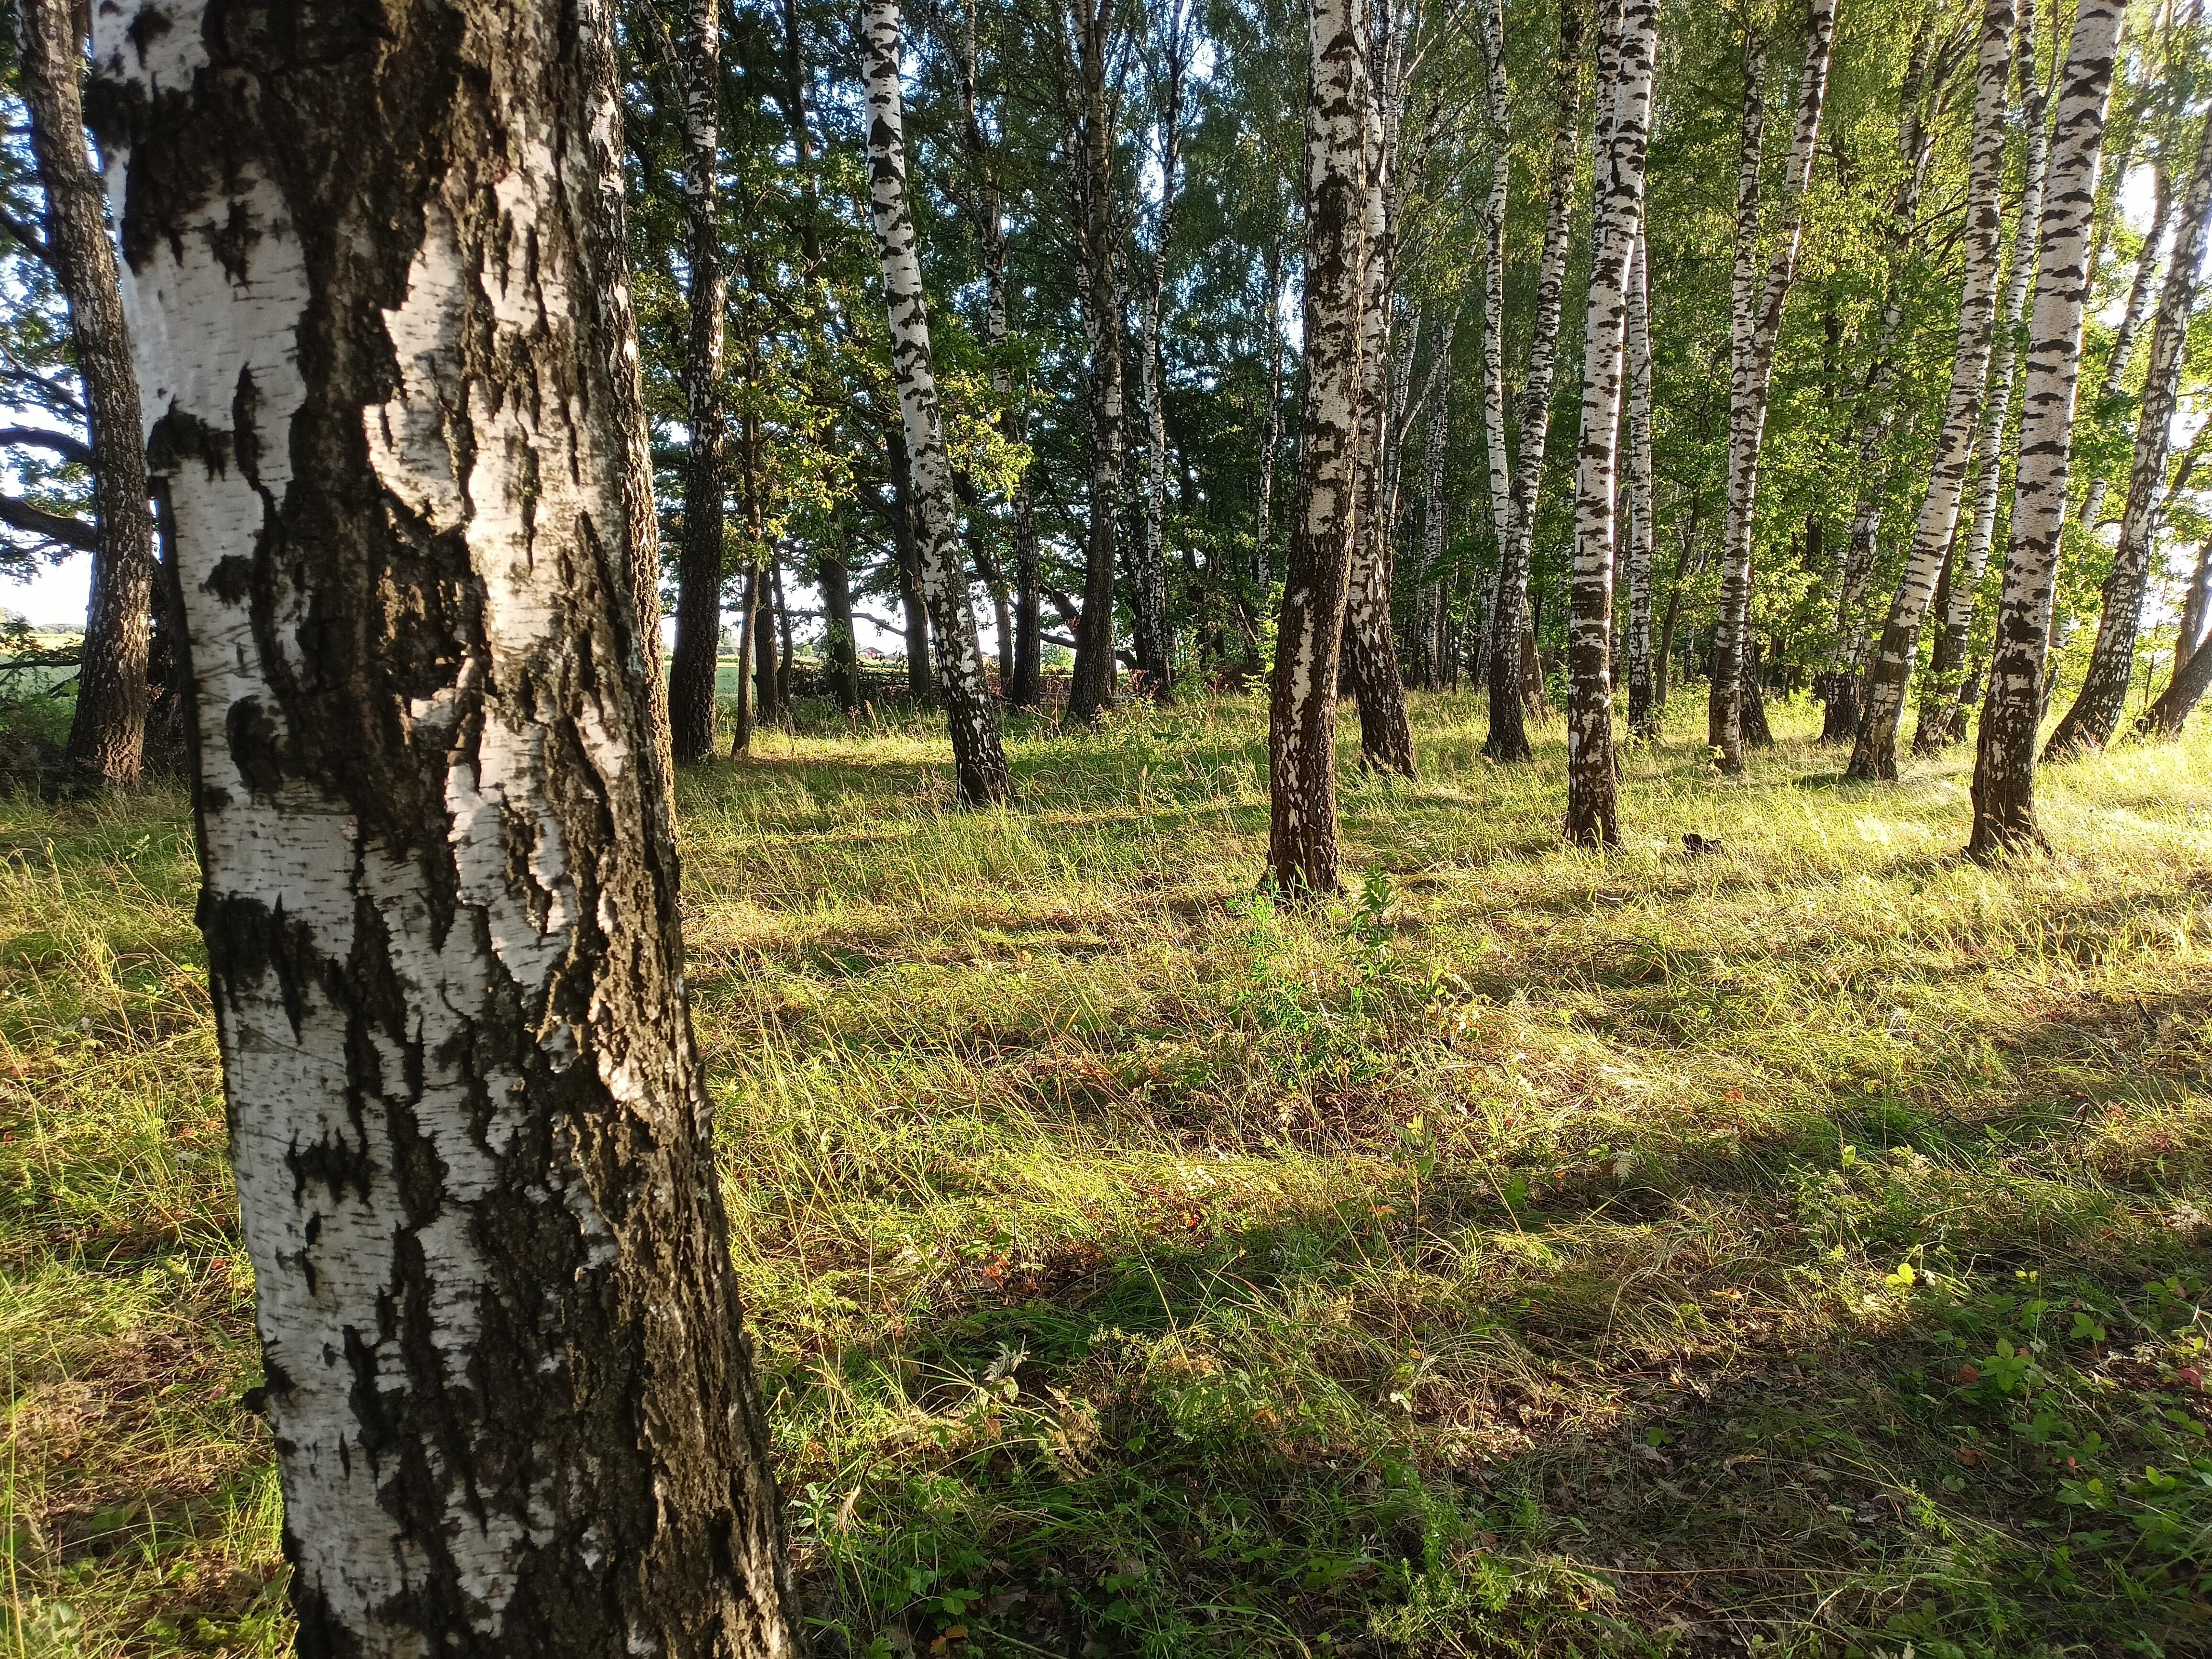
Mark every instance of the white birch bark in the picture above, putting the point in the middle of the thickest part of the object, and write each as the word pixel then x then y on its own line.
pixel 1386 739
pixel 2004 762
pixel 1497 468
pixel 2095 716
pixel 979 758
pixel 505 1373
pixel 1877 409
pixel 1508 739
pixel 1874 753
pixel 1942 714
pixel 1642 708
pixel 1301 847
pixel 1756 323
pixel 1434 510
pixel 2113 385
pixel 1626 63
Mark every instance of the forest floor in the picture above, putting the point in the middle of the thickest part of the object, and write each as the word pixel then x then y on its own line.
pixel 1795 1251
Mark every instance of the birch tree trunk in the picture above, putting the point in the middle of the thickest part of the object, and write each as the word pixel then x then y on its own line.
pixel 512 1402
pixel 2112 387
pixel 1877 408
pixel 107 732
pixel 2004 761
pixel 1643 706
pixel 1301 850
pixel 1090 688
pixel 2095 716
pixel 1264 534
pixel 1497 469
pixel 1756 324
pixel 1435 512
pixel 979 760
pixel 1626 63
pixel 700 571
pixel 1508 731
pixel 1152 635
pixel 1875 754
pixel 1386 735
pixel 1942 710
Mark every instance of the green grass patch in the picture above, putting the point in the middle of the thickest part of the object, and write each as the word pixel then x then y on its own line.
pixel 1800 1250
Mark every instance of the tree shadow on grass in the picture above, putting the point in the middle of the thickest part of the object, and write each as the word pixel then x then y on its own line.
pixel 1313 1431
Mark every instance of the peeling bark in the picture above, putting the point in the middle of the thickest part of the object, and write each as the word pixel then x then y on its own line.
pixel 1386 734
pixel 1643 702
pixel 2004 761
pixel 1302 849
pixel 107 732
pixel 1625 58
pixel 979 759
pixel 511 1399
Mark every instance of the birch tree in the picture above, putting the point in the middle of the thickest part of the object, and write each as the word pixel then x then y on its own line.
pixel 1875 754
pixel 2112 387
pixel 108 729
pixel 1386 736
pixel 1435 511
pixel 1925 71
pixel 1755 324
pixel 1152 636
pixel 1090 689
pixel 1626 63
pixel 1509 730
pixel 2004 760
pixel 1302 849
pixel 1497 473
pixel 2089 724
pixel 1942 710
pixel 979 759
pixel 700 571
pixel 511 1400
pixel 1643 706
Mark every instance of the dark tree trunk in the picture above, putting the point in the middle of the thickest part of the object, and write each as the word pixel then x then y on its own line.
pixel 1090 689
pixel 507 1379
pixel 840 647
pixel 741 718
pixel 765 699
pixel 907 552
pixel 107 733
pixel 699 561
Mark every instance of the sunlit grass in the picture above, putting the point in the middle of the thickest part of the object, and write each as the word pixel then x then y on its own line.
pixel 1533 1252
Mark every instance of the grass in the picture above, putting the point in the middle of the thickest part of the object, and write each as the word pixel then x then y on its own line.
pixel 1796 1251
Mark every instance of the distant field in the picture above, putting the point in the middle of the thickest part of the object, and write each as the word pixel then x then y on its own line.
pixel 1799 1251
